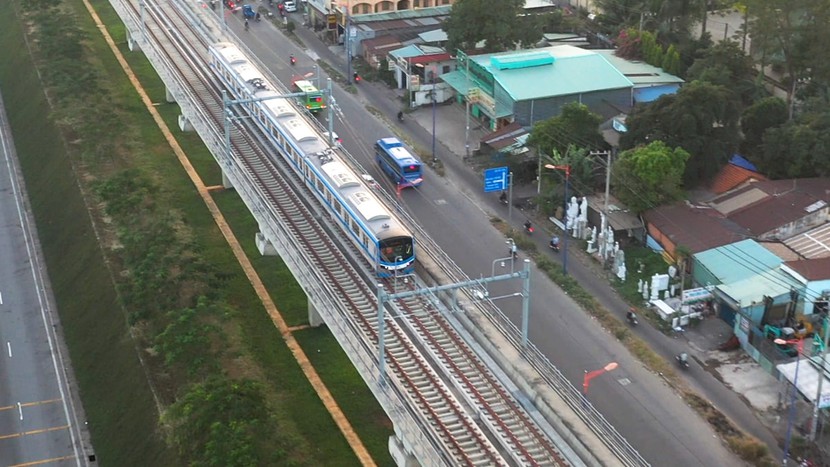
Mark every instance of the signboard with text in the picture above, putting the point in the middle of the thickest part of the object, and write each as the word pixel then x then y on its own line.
pixel 496 179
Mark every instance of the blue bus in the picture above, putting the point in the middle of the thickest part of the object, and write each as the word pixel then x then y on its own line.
pixel 398 163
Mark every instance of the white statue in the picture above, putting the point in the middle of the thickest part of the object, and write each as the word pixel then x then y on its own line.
pixel 571 214
pixel 583 209
pixel 592 240
pixel 640 285
pixel 621 272
pixel 645 291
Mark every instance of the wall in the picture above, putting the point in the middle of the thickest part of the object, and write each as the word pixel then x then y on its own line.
pixel 606 103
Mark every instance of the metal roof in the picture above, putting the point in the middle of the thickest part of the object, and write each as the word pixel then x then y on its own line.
pixel 640 73
pixel 773 283
pixel 814 243
pixel 738 261
pixel 573 71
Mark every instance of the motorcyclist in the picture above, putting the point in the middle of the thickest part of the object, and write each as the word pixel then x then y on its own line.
pixel 554 242
pixel 246 24
pixel 292 59
pixel 257 16
pixel 400 115
pixel 631 316
pixel 503 197
pixel 683 358
pixel 528 225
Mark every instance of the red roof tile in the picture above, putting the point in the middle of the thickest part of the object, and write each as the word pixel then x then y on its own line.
pixel 731 176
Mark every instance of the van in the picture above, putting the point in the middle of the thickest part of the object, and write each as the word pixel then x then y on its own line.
pixel 290 6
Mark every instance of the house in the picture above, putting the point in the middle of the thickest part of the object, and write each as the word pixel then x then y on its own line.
pixel 777 209
pixel 527 86
pixel 417 67
pixel 507 140
pixel 376 50
pixel 695 227
pixel 737 173
pixel 813 275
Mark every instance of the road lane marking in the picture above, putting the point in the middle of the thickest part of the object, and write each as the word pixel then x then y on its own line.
pixel 34 432
pixel 9 345
pixel 44 461
pixel 1 298
pixel 29 404
pixel 20 409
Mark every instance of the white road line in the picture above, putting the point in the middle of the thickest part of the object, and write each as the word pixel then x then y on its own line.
pixel 1 298
pixel 36 269
pixel 20 409
pixel 9 345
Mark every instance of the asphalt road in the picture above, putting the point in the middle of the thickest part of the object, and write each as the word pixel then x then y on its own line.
pixel 38 423
pixel 454 212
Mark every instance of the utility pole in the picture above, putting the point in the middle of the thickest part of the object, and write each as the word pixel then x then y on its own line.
pixel 467 105
pixel 607 155
pixel 821 372
pixel 348 43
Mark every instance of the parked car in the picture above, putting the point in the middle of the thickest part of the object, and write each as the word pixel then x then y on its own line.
pixel 290 6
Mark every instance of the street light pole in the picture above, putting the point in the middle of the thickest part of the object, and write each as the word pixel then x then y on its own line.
pixel 432 94
pixel 800 348
pixel 822 370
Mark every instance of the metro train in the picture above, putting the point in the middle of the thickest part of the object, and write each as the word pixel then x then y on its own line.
pixel 381 238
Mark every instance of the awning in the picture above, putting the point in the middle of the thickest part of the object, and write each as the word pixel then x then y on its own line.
pixel 808 374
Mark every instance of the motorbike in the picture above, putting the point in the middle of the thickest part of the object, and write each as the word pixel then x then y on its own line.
pixel 554 244
pixel 529 228
pixel 683 360
pixel 293 60
pixel 400 116
pixel 356 77
pixel 632 318
pixel 503 198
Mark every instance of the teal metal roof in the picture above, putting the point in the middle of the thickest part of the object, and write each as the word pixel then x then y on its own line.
pixel 735 262
pixel 416 51
pixel 774 283
pixel 552 71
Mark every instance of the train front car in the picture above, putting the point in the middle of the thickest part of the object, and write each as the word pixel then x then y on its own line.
pixel 396 252
pixel 380 237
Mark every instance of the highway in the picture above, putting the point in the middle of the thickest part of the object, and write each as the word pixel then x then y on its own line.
pixel 38 420
pixel 454 212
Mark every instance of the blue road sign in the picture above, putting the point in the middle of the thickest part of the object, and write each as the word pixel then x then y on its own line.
pixel 496 179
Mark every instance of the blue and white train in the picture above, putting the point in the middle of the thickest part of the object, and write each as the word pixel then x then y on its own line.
pixel 373 229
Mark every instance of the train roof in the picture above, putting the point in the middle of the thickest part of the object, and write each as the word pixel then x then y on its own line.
pixel 352 188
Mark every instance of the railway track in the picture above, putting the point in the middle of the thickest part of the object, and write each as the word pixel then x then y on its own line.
pixel 461 404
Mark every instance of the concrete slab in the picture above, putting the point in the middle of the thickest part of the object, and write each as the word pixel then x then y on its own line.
pixel 748 379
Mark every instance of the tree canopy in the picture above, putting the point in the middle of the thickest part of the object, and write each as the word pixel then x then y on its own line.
pixel 502 27
pixel 797 149
pixel 648 176
pixel 725 64
pixel 764 114
pixel 701 118
pixel 576 126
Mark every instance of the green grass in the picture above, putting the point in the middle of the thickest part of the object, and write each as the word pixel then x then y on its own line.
pixel 104 357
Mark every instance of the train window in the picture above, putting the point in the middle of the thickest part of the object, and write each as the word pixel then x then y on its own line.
pixel 320 185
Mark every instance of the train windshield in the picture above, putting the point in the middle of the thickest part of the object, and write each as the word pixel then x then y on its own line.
pixel 395 250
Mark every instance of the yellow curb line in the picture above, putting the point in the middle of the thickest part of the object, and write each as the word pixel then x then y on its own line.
pixel 301 327
pixel 309 371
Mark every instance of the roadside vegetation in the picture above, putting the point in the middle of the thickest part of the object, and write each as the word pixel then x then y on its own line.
pixel 176 360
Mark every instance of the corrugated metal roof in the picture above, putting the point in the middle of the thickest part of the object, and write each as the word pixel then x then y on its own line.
pixel 573 71
pixel 814 243
pixel 812 269
pixel 774 283
pixel 697 228
pixel 738 261
pixel 640 73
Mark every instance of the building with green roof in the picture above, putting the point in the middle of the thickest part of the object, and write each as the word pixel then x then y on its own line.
pixel 532 85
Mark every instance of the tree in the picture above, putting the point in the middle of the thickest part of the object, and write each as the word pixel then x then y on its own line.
pixel 797 149
pixel 701 118
pixel 649 176
pixel 790 33
pixel 576 126
pixel 725 64
pixel 504 27
pixel 767 113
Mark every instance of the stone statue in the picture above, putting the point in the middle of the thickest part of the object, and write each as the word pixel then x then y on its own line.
pixel 573 212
